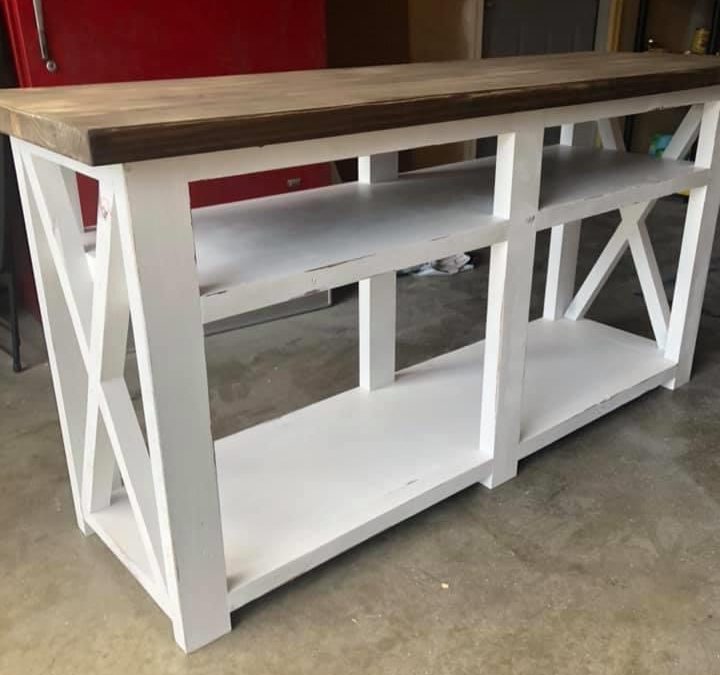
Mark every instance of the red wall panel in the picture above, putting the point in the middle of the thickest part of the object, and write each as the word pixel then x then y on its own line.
pixel 94 41
pixel 125 40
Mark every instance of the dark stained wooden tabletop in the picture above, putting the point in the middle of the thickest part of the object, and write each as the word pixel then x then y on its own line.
pixel 125 122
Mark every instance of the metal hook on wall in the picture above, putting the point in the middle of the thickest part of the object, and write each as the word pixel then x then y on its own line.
pixel 42 38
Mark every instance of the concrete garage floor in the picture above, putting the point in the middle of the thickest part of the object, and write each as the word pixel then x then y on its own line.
pixel 602 556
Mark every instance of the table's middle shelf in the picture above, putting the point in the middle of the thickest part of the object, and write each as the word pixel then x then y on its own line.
pixel 264 251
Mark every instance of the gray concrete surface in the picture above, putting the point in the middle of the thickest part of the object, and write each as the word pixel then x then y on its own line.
pixel 602 556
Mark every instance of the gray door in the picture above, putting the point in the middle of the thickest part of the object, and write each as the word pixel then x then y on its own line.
pixel 517 27
pixel 513 27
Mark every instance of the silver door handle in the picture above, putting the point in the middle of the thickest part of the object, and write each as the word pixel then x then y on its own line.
pixel 42 39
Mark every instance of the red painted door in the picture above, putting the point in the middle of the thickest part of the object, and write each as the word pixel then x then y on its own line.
pixel 121 40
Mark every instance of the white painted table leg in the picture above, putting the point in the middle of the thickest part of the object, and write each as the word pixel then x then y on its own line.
pixel 696 251
pixel 565 240
pixel 377 296
pixel 154 216
pixel 517 188
pixel 377 301
pixel 65 352
pixel 562 264
pixel 633 232
pixel 378 168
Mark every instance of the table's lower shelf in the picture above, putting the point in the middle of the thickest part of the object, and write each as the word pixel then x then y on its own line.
pixel 579 370
pixel 302 488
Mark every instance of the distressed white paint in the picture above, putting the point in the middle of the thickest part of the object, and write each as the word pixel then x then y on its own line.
pixel 598 275
pixel 378 168
pixel 611 135
pixel 635 228
pixel 562 264
pixel 517 192
pixel 128 444
pixel 167 329
pixel 578 371
pixel 403 448
pixel 65 353
pixel 117 528
pixel 57 217
pixel 632 232
pixel 651 282
pixel 196 538
pixel 696 250
pixel 377 295
pixel 354 231
pixel 108 346
pixel 565 239
pixel 377 312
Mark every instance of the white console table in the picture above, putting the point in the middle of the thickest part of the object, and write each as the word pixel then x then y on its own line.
pixel 208 525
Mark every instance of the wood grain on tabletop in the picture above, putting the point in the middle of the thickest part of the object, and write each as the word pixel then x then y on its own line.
pixel 133 121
